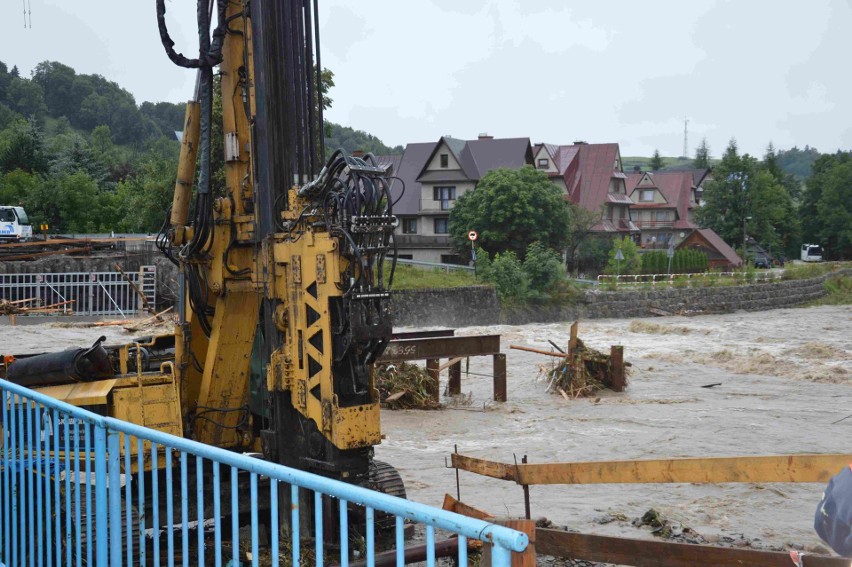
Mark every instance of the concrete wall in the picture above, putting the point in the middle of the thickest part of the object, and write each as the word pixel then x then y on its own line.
pixel 455 307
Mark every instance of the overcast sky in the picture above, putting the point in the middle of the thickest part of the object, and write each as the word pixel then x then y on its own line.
pixel 556 71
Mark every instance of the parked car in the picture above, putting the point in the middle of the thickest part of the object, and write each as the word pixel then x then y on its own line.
pixel 762 261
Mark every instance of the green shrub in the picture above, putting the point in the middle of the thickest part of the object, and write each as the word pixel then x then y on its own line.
pixel 543 268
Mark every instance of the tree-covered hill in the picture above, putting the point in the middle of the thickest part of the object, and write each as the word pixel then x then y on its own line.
pixel 81 155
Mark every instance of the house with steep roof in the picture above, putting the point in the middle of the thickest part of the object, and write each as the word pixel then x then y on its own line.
pixel 431 177
pixel 592 177
pixel 663 204
pixel 719 254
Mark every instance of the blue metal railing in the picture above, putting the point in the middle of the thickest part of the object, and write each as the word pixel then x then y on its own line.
pixel 69 495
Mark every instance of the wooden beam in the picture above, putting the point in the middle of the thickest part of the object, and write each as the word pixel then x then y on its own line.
pixel 539 351
pixel 649 553
pixel 776 468
pixel 450 362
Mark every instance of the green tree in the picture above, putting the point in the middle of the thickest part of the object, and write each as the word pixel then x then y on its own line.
pixel 826 217
pixel 656 161
pixel 702 156
pixel 631 264
pixel 746 197
pixel 725 205
pixel 580 224
pixel 25 97
pixel 506 273
pixel 543 268
pixel 24 148
pixel 56 81
pixel 511 209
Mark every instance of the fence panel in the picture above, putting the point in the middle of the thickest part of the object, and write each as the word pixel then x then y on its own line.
pixel 68 496
pixel 83 293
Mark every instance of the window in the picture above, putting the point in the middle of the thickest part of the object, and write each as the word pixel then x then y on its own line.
pixel 452 259
pixel 646 195
pixel 445 195
pixel 403 256
pixel 445 161
pixel 442 226
pixel 662 215
pixel 543 163
pixel 409 226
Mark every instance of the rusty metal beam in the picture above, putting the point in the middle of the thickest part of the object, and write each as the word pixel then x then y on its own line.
pixel 646 553
pixel 423 334
pixel 441 347
pixel 776 468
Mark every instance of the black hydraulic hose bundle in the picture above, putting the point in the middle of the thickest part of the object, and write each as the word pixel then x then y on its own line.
pixel 209 55
pixel 357 208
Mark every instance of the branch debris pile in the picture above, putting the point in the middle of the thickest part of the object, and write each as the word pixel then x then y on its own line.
pixel 403 385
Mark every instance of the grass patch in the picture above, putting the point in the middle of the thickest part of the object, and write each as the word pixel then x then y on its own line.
pixel 839 290
pixel 413 277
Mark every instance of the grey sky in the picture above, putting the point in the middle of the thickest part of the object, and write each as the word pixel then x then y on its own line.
pixel 556 71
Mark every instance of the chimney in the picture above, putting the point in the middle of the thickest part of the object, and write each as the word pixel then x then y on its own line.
pixel 358 153
pixel 485 136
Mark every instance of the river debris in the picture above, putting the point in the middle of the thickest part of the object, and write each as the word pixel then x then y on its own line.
pixel 403 385
pixel 581 371
pixel 33 306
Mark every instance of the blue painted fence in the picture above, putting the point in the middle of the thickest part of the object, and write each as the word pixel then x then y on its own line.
pixel 70 496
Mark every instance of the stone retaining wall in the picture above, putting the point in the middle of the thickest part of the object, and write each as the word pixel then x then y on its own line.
pixel 479 305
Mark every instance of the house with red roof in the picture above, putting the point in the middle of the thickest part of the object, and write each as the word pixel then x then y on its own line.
pixel 663 204
pixel 430 177
pixel 592 177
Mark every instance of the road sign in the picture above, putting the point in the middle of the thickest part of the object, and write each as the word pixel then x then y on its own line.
pixel 472 235
pixel 619 255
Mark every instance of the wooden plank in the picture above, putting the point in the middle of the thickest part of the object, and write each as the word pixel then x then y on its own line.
pixel 776 468
pixel 649 553
pixel 483 467
pixel 459 507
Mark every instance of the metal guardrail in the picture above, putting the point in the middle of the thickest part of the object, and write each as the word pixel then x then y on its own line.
pixel 670 279
pixel 92 293
pixel 445 267
pixel 70 496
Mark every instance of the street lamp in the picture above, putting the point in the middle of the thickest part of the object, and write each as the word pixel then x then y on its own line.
pixel 745 249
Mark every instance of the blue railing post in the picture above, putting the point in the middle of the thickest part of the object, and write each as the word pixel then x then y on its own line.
pixel 500 556
pixel 102 543
pixel 115 531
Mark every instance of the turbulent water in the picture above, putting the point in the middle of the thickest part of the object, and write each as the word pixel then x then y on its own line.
pixel 786 378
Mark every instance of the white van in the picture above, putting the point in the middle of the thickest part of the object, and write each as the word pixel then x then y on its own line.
pixel 14 224
pixel 811 253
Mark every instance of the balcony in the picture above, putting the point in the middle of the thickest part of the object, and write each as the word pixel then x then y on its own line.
pixel 654 224
pixel 422 241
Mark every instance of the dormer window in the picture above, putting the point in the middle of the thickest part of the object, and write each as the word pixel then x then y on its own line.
pixel 646 196
pixel 445 161
pixel 543 163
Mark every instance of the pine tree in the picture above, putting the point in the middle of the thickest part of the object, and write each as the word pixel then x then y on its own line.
pixel 656 161
pixel 702 156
